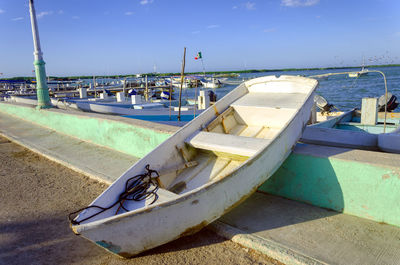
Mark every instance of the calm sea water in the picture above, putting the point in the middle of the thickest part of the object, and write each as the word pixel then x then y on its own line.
pixel 342 91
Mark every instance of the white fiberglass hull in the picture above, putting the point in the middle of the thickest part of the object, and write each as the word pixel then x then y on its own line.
pixel 233 176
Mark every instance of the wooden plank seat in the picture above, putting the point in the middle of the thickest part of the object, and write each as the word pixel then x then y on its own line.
pixel 227 143
pixel 165 195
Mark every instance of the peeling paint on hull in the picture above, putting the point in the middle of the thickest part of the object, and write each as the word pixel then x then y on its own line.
pixel 147 227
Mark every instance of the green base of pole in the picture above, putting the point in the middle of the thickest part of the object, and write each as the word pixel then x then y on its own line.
pixel 42 90
pixel 43 107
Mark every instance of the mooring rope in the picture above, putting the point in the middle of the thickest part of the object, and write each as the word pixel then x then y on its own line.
pixel 137 188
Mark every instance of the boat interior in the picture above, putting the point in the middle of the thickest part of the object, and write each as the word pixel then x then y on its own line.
pixel 351 121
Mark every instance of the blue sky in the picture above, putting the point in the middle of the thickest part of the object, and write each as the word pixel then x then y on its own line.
pixel 134 36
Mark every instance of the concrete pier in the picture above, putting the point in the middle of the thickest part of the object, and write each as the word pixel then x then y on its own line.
pixel 362 184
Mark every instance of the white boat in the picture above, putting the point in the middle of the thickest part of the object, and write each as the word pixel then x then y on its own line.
pixel 213 83
pixel 205 169
pixel 359 73
pixel 363 71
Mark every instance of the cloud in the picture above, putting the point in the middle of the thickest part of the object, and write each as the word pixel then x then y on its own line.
pixel 128 13
pixel 212 26
pixel 145 2
pixel 250 5
pixel 234 7
pixel 75 17
pixel 2 11
pixel 60 12
pixel 196 32
pixel 44 13
pixel 269 30
pixel 294 3
pixel 318 17
pixel 17 18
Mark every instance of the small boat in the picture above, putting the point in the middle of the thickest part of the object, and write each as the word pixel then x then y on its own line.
pixel 204 170
pixel 363 71
pixel 211 83
pixel 359 73
pixel 346 130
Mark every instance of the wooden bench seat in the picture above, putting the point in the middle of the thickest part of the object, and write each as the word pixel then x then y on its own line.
pixel 227 143
pixel 166 195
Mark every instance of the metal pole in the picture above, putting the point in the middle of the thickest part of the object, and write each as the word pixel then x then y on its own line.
pixel 195 99
pixel 42 89
pixel 370 71
pixel 94 86
pixel 146 96
pixel 204 69
pixel 170 98
pixel 182 79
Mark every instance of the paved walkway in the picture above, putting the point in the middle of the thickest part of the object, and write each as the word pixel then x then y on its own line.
pixel 98 162
pixel 295 233
pixel 289 231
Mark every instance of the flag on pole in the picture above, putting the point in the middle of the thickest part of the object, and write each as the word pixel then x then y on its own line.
pixel 198 56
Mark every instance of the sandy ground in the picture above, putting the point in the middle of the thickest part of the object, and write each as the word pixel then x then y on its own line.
pixel 36 196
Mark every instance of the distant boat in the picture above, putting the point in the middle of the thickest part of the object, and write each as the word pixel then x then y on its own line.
pixel 363 71
pixel 211 83
pixel 204 170
pixel 187 82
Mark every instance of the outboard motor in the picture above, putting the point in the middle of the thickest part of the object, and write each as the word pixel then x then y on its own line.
pixel 108 92
pixel 392 102
pixel 164 95
pixel 212 96
pixel 323 104
pixel 132 92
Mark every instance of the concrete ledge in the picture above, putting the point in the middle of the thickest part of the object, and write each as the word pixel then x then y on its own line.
pixel 97 162
pixel 132 137
pixel 356 182
pixel 298 233
pixel 268 247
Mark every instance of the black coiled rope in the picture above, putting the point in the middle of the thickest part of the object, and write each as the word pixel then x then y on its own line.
pixel 137 188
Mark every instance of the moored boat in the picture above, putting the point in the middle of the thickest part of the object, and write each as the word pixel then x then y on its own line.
pixel 346 130
pixel 359 73
pixel 211 83
pixel 202 171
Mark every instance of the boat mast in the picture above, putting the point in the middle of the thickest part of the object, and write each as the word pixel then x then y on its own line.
pixel 182 79
pixel 42 89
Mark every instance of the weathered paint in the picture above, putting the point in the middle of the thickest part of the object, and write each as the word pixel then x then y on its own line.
pixel 132 139
pixel 177 216
pixel 109 246
pixel 368 189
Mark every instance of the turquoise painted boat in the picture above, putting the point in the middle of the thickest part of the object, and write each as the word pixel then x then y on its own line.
pixel 346 130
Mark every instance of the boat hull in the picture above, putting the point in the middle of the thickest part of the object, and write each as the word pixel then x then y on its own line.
pixel 133 232
pixel 349 134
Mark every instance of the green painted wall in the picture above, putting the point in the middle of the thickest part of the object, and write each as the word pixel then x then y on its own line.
pixel 361 189
pixel 124 137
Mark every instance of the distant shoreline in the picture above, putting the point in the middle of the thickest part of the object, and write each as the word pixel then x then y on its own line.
pixel 200 73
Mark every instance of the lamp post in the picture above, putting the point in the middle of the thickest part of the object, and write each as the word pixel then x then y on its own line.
pixel 42 90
